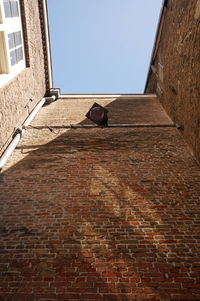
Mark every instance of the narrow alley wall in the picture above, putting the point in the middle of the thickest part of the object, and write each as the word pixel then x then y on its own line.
pixel 175 69
pixel 100 214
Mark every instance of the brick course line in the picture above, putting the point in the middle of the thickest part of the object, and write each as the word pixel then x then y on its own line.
pixel 70 126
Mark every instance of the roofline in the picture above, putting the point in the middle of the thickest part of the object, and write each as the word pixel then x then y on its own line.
pixel 157 40
pixel 109 96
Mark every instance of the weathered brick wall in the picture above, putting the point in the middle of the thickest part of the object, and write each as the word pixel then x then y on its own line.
pixel 100 214
pixel 30 83
pixel 177 68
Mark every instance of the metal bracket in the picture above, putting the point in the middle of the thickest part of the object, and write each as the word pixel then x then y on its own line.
pixel 18 131
pixel 54 92
pixel 179 127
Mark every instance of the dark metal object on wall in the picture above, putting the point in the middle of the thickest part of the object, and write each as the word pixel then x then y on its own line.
pixel 98 115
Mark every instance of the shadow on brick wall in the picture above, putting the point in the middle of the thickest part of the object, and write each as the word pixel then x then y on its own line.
pixel 101 214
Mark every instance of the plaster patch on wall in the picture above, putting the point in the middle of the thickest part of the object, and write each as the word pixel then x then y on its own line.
pixel 197 11
pixel 1 118
pixel 159 90
pixel 160 72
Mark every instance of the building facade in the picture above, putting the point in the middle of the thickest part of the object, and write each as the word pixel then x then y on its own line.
pixel 91 213
pixel 25 69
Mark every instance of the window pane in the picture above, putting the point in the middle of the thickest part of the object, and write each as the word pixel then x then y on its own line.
pixel 14 8
pixel 19 52
pixel 7 9
pixel 11 41
pixel 18 39
pixel 13 59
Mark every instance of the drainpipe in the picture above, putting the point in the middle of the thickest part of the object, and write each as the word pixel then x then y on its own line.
pixel 47 40
pixel 20 132
pixel 10 148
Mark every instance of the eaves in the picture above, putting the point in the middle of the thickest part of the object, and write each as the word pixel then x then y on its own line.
pixel 157 40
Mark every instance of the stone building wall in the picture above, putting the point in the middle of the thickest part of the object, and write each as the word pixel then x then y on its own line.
pixel 175 71
pixel 15 96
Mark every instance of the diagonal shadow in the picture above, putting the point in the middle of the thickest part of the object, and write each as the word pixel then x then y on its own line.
pixel 102 214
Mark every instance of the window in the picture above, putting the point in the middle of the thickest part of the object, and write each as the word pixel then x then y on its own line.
pixel 15 47
pixel 11 8
pixel 11 41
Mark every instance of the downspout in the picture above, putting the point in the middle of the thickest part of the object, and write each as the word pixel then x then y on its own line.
pixel 21 130
pixel 47 40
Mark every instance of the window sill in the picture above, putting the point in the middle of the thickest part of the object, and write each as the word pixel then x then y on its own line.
pixel 6 78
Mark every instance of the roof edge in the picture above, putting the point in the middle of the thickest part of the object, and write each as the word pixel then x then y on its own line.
pixel 157 40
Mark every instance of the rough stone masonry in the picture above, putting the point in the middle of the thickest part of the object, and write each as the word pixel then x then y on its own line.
pixel 100 214
pixel 175 68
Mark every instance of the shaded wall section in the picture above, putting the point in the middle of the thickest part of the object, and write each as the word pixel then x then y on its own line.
pixel 30 83
pixel 100 214
pixel 175 67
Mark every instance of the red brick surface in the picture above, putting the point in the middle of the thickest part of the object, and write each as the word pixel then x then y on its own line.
pixel 100 214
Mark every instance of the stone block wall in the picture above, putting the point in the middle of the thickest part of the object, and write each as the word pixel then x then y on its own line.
pixel 22 93
pixel 175 70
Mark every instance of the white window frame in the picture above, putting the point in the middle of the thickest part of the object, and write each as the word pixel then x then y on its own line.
pixel 7 26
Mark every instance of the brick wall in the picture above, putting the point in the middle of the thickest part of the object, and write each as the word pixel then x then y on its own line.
pixel 29 84
pixel 176 68
pixel 100 214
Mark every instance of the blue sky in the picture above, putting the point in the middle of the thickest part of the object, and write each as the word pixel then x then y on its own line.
pixel 102 46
